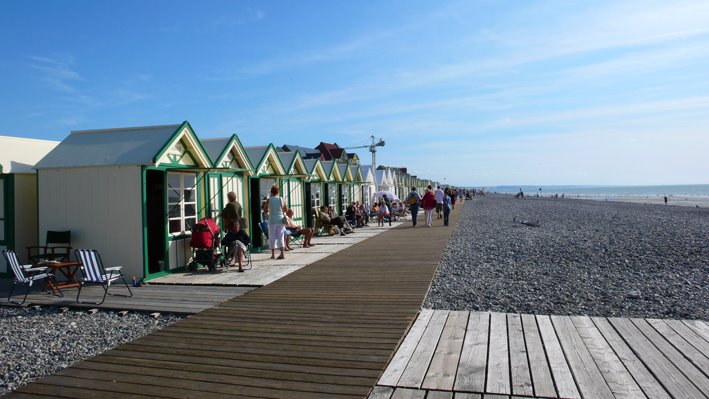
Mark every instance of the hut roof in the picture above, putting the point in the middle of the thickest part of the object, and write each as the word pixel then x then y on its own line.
pixel 122 146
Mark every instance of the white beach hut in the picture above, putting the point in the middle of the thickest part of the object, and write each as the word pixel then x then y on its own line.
pixel 18 193
pixel 131 193
pixel 369 185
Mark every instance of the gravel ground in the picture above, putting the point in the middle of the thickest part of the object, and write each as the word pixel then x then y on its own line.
pixel 586 258
pixel 38 342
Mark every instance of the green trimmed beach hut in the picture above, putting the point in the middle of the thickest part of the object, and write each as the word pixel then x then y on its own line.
pixel 314 190
pixel 268 171
pixel 231 172
pixel 293 184
pixel 331 187
pixel 346 184
pixel 18 194
pixel 131 193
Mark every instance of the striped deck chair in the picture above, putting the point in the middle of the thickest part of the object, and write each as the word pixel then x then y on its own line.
pixel 26 274
pixel 92 271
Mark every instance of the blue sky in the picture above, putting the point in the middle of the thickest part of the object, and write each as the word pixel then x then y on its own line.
pixel 476 92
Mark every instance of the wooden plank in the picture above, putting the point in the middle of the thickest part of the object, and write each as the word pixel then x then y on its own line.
pixel 416 369
pixel 666 373
pixel 396 367
pixel 697 358
pixel 693 374
pixel 406 393
pixel 439 395
pixel 461 395
pixel 498 363
pixel 619 380
pixel 380 392
pixel 689 335
pixel 472 367
pixel 565 385
pixel 441 372
pixel 586 373
pixel 699 327
pixel 519 364
pixel 541 374
pixel 647 382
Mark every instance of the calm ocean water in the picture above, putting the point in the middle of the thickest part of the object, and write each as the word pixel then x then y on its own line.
pixel 694 190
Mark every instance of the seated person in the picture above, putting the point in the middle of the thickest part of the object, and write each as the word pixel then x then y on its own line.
pixel 236 241
pixel 350 215
pixel 327 220
pixel 297 231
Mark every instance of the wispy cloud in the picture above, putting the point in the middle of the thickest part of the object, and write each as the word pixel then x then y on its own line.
pixel 58 72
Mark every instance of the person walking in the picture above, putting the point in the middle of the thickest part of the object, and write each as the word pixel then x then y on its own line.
pixel 446 207
pixel 414 200
pixel 439 201
pixel 276 210
pixel 429 204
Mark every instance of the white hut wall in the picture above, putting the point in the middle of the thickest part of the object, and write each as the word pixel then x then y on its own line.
pixel 25 213
pixel 102 206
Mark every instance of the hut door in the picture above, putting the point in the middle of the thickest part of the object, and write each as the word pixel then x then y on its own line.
pixel 308 205
pixel 255 210
pixel 155 204
pixel 4 225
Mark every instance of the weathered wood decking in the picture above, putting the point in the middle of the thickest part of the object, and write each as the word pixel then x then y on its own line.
pixel 324 331
pixel 147 298
pixel 458 354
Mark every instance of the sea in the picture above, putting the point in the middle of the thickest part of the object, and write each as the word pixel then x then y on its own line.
pixel 688 190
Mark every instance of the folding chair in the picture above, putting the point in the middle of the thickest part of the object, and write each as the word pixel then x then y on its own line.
pixel 26 274
pixel 57 246
pixel 92 271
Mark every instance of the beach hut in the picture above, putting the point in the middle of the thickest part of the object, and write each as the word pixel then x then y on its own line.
pixel 314 190
pixel 131 193
pixel 18 193
pixel 293 184
pixel 330 188
pixel 369 185
pixel 231 173
pixel 357 181
pixel 268 171
pixel 345 186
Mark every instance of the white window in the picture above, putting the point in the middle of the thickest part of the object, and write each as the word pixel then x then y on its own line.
pixel 315 195
pixel 345 190
pixel 332 195
pixel 181 201
pixel 295 198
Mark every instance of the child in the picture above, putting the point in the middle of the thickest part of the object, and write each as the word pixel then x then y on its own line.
pixel 383 213
pixel 446 208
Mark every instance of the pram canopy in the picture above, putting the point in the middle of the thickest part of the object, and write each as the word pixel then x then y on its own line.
pixel 205 234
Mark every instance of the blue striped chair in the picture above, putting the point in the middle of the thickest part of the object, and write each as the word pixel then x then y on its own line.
pixel 26 274
pixel 93 272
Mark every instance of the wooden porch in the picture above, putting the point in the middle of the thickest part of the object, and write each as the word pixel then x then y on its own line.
pixel 456 354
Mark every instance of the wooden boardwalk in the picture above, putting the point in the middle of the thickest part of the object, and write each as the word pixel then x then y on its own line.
pixel 455 354
pixel 326 330
pixel 147 298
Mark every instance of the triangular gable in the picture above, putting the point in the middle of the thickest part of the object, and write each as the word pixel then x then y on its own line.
pixel 331 171
pixel 345 173
pixel 234 156
pixel 269 164
pixel 183 150
pixel 316 171
pixel 357 173
pixel 298 168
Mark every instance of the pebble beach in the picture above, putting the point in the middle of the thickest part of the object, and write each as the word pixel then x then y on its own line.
pixel 39 342
pixel 576 257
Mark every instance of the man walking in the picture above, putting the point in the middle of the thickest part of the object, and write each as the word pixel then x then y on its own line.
pixel 414 200
pixel 439 201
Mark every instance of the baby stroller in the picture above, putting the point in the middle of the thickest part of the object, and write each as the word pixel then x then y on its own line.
pixel 205 245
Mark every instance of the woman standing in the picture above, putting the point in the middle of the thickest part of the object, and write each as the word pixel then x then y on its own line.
pixel 429 204
pixel 276 209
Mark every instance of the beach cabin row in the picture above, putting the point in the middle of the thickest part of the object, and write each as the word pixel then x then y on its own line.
pixel 134 193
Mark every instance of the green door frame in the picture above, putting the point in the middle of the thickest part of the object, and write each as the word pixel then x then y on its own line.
pixel 8 216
